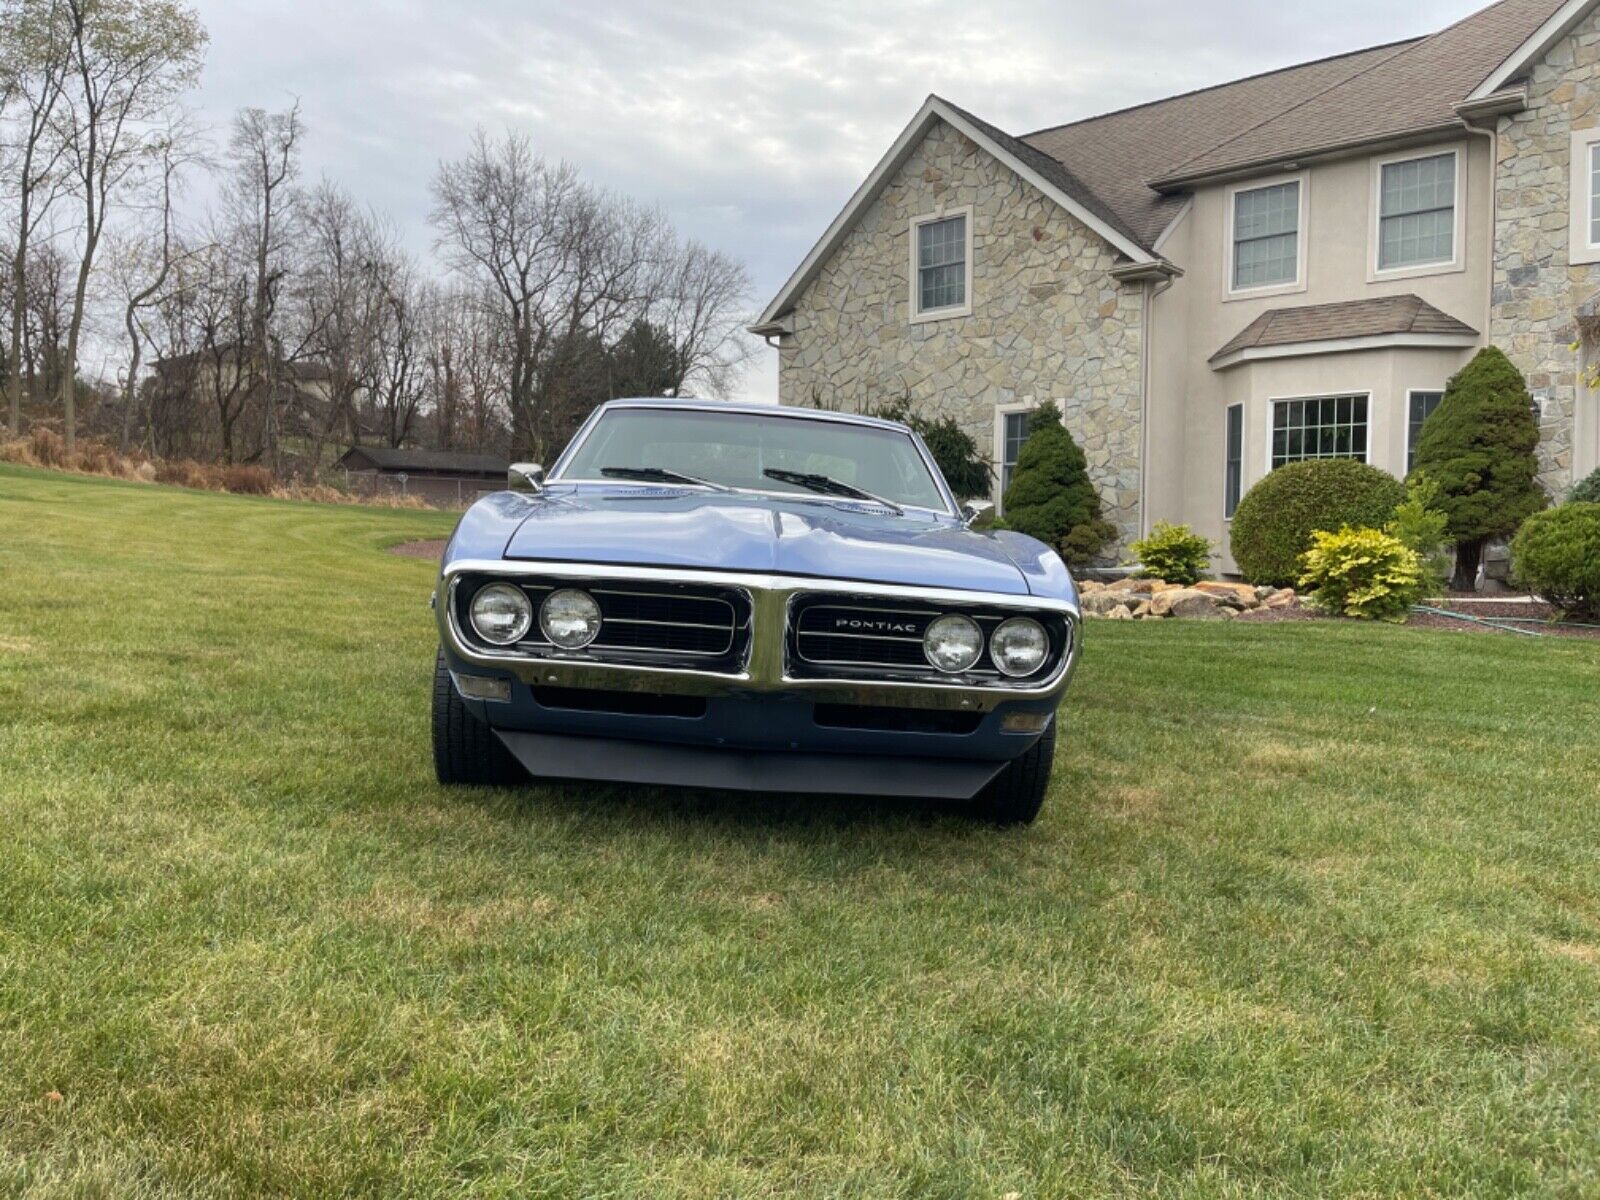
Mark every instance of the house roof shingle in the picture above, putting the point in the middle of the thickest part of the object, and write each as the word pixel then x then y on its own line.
pixel 1400 90
pixel 1350 319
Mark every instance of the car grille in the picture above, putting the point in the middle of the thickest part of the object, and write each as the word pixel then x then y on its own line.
pixel 863 636
pixel 864 633
pixel 648 623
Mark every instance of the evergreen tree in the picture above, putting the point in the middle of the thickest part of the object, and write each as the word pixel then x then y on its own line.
pixel 1051 496
pixel 1478 447
pixel 952 447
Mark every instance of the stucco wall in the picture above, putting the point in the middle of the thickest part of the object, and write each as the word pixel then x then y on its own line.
pixel 1537 288
pixel 1340 262
pixel 1047 320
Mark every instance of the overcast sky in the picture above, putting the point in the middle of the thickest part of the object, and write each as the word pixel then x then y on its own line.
pixel 750 123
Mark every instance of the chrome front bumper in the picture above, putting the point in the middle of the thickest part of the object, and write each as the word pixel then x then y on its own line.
pixel 766 668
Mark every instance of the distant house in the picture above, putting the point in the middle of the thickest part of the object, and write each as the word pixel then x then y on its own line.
pixel 442 477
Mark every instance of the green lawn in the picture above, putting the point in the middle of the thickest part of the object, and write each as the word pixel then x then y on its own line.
pixel 1314 909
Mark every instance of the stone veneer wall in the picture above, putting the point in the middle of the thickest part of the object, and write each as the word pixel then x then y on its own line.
pixel 1047 320
pixel 1537 290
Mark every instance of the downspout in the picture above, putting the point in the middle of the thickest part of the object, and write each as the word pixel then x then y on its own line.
pixel 1492 133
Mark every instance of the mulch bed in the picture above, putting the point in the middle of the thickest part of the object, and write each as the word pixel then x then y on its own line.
pixel 1537 610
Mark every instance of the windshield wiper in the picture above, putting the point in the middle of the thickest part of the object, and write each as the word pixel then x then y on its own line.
pixel 660 475
pixel 829 486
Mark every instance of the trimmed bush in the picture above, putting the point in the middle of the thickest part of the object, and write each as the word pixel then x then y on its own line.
pixel 1478 447
pixel 1174 553
pixel 1556 555
pixel 1051 496
pixel 1587 490
pixel 1273 524
pixel 1363 573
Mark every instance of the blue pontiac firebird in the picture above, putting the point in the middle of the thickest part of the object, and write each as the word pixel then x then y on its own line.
pixel 736 596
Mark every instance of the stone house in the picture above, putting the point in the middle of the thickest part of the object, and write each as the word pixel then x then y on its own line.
pixel 1283 267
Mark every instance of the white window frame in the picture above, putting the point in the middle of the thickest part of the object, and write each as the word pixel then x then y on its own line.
pixel 1302 238
pixel 1581 247
pixel 1329 394
pixel 1458 238
pixel 998 444
pixel 918 316
pixel 1406 461
pixel 1244 413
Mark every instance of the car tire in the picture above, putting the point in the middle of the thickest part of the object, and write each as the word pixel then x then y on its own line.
pixel 465 750
pixel 1015 796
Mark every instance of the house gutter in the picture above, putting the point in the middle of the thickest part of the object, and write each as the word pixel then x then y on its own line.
pixel 1482 119
pixel 1330 150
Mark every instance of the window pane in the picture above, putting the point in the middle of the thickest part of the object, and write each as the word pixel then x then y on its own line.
pixel 942 263
pixel 1419 185
pixel 1421 407
pixel 1594 195
pixel 1319 427
pixel 1233 460
pixel 1015 433
pixel 1416 210
pixel 1266 225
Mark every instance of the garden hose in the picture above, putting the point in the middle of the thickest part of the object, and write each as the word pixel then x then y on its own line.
pixel 1492 622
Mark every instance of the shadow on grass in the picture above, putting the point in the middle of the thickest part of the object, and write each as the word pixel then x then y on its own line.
pixel 755 816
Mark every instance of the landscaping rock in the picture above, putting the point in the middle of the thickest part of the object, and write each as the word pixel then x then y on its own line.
pixel 1100 603
pixel 1242 594
pixel 1282 598
pixel 1120 613
pixel 1198 606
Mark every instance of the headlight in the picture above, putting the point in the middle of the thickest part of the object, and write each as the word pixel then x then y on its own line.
pixel 1019 646
pixel 501 614
pixel 570 618
pixel 953 642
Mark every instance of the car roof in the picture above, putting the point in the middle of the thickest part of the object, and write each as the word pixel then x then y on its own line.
pixel 760 410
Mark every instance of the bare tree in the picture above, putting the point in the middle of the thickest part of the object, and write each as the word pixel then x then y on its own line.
pixel 142 263
pixel 129 59
pixel 398 377
pixel 503 220
pixel 348 252
pixel 700 305
pixel 264 154
pixel 35 57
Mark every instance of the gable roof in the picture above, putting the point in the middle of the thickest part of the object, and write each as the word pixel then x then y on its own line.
pixel 1049 175
pixel 1389 317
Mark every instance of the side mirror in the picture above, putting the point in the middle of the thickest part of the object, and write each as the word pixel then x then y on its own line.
pixel 525 477
pixel 973 510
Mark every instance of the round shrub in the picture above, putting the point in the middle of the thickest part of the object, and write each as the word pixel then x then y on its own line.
pixel 1556 555
pixel 1587 490
pixel 1174 553
pixel 1273 524
pixel 1362 573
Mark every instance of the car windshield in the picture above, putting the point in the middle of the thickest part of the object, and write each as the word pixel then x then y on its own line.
pixel 744 450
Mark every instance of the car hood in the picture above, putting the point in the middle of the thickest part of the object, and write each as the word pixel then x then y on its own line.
pixel 783 535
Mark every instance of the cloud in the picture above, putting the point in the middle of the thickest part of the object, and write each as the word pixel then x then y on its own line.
pixel 752 123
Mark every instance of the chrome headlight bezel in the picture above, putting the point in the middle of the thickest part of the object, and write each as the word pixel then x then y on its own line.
pixel 555 634
pixel 953 667
pixel 518 600
pixel 1016 625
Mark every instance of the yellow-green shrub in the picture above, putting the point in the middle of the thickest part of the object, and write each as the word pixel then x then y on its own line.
pixel 1361 573
pixel 1174 553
